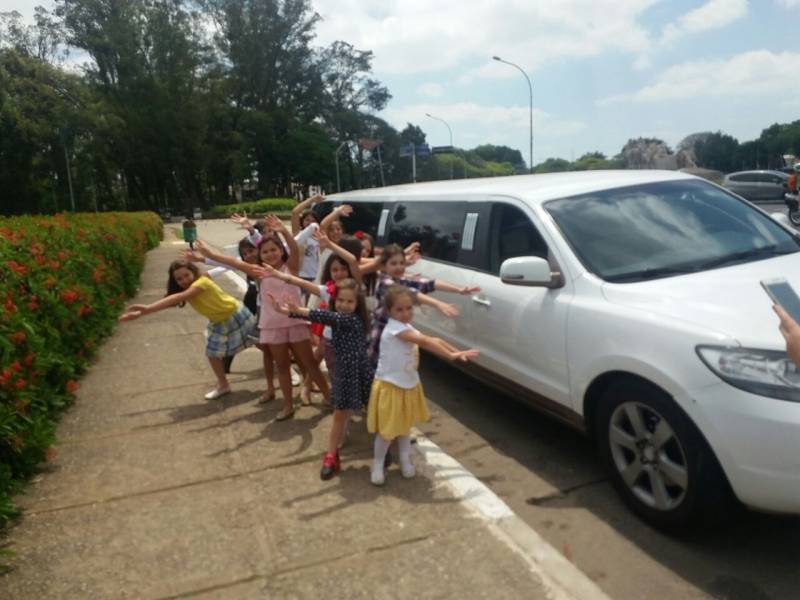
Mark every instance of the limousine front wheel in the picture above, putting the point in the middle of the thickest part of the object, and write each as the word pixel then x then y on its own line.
pixel 656 458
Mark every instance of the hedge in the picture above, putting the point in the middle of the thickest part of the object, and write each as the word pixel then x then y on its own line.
pixel 63 281
pixel 259 207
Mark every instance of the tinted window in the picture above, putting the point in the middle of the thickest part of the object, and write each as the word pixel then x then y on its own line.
pixel 735 178
pixel 512 234
pixel 437 226
pixel 365 217
pixel 662 229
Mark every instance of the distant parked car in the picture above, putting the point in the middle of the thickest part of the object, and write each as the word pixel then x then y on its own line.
pixel 757 185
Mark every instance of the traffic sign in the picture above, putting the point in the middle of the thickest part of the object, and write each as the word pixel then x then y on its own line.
pixel 442 150
pixel 406 150
pixel 423 149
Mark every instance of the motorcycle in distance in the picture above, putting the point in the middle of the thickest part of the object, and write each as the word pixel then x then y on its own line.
pixel 791 201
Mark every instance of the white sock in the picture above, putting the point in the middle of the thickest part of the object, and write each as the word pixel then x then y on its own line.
pixel 381 448
pixel 404 449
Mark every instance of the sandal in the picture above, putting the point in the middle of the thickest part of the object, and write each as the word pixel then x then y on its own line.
pixel 284 416
pixel 267 397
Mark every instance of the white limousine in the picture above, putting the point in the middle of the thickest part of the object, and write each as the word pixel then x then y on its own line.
pixel 628 304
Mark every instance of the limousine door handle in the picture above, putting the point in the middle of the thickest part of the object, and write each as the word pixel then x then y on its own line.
pixel 481 301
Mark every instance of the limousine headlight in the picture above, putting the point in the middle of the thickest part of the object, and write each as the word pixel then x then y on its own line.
pixel 765 372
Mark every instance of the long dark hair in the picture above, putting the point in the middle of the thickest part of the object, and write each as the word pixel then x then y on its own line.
pixel 326 268
pixel 172 285
pixel 361 300
pixel 350 243
pixel 275 239
pixel 390 251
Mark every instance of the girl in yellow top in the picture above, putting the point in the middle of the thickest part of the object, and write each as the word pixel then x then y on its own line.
pixel 229 322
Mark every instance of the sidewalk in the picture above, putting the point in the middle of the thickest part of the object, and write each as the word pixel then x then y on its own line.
pixel 157 493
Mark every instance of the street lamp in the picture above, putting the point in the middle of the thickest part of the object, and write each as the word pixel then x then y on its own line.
pixel 530 89
pixel 451 137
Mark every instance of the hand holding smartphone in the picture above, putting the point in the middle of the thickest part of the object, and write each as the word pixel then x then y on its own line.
pixel 783 295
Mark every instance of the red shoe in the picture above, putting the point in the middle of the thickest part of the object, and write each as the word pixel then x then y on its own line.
pixel 330 466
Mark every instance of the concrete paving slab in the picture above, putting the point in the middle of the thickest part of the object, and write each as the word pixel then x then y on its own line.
pixel 142 547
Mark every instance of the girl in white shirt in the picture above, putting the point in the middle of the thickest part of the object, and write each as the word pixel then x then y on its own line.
pixel 396 400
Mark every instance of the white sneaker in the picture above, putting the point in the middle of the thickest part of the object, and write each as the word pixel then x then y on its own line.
pixel 376 477
pixel 217 393
pixel 407 469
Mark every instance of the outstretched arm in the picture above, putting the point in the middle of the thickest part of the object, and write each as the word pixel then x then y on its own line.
pixel 224 259
pixel 134 311
pixel 345 210
pixel 308 286
pixel 437 346
pixel 300 208
pixel 447 309
pixel 444 286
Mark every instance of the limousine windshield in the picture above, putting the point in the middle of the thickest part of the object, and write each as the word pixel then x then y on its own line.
pixel 663 229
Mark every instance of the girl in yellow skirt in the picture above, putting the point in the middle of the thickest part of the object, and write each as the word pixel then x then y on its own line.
pixel 396 401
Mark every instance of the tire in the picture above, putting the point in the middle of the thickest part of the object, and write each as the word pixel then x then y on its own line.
pixel 657 459
pixel 794 217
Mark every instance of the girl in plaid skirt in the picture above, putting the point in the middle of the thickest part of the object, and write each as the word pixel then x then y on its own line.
pixel 229 322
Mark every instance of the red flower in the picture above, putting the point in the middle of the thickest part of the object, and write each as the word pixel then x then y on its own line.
pixel 15 366
pixel 40 260
pixel 9 304
pixel 18 337
pixel 20 383
pixel 71 386
pixel 28 359
pixel 84 310
pixel 61 255
pixel 69 296
pixel 36 249
pixel 359 234
pixel 6 375
pixel 16 267
pixel 55 265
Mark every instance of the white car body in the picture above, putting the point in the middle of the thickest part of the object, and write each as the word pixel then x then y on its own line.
pixel 557 342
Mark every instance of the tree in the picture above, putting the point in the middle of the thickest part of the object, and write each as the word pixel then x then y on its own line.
pixel 500 154
pixel 717 151
pixel 553 165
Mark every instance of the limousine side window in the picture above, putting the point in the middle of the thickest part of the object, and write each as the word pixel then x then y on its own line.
pixel 513 234
pixel 437 226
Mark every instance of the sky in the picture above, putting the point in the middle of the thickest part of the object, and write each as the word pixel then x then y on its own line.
pixel 602 71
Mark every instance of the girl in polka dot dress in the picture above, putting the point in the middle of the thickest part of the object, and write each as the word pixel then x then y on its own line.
pixel 352 378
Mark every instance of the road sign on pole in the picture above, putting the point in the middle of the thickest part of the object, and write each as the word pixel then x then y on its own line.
pixel 442 150
pixel 406 150
pixel 422 149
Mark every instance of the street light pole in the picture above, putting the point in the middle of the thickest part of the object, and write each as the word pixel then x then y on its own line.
pixel 530 112
pixel 451 137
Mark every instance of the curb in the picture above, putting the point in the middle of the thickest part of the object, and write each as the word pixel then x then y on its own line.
pixel 562 579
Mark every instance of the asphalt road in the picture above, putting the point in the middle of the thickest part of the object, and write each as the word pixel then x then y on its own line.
pixel 550 476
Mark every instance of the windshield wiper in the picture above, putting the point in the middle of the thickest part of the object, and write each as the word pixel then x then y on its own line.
pixel 653 273
pixel 763 252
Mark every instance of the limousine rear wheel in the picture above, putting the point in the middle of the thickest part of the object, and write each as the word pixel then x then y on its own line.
pixel 656 458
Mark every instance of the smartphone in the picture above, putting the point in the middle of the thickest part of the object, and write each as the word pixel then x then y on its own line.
pixel 783 295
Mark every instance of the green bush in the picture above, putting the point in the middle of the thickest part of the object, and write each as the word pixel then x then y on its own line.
pixel 63 281
pixel 259 207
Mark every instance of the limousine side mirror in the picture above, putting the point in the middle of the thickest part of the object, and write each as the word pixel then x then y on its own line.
pixel 529 270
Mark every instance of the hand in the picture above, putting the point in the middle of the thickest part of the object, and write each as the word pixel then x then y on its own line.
pixel 316 199
pixel 448 310
pixel 281 308
pixel 412 248
pixel 466 355
pixel 202 248
pixel 345 210
pixel 242 221
pixel 791 333
pixel 466 291
pixel 191 256
pixel 412 259
pixel 262 271
pixel 292 306
pixel 142 308
pixel 275 224
pixel 129 315
pixel 322 239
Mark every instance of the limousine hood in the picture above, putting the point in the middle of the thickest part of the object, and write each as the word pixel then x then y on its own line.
pixel 729 300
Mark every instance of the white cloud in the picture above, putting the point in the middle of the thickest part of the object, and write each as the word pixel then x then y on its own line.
pixel 413 36
pixel 788 3
pixel 642 63
pixel 755 73
pixel 714 14
pixel 431 90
